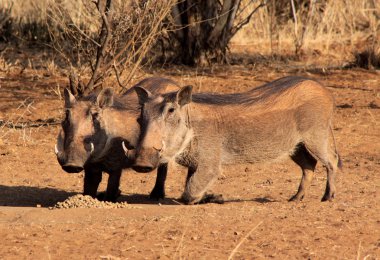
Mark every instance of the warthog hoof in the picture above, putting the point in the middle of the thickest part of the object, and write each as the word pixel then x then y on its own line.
pixel 103 196
pixel 207 198
pixel 212 198
pixel 297 197
pixel 157 194
pixel 328 197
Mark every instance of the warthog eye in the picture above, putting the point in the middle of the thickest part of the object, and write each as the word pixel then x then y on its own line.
pixel 171 110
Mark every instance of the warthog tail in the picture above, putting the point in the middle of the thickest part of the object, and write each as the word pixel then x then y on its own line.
pixel 339 163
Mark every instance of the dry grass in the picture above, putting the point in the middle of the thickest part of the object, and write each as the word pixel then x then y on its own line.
pixel 233 252
pixel 335 29
pixel 14 123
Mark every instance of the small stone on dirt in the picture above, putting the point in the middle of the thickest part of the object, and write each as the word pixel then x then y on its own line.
pixel 373 105
pixel 345 105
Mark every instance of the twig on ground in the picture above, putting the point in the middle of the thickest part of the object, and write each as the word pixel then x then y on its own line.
pixel 37 123
pixel 242 241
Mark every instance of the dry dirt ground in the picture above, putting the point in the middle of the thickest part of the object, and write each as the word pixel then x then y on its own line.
pixel 256 222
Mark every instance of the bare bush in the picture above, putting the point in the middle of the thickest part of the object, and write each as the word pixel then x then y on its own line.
pixel 191 32
pixel 106 39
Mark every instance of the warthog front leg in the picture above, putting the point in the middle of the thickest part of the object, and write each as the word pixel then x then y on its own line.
pixel 158 191
pixel 112 192
pixel 92 178
pixel 198 181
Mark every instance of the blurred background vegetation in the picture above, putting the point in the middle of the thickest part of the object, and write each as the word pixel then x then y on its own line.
pixel 342 33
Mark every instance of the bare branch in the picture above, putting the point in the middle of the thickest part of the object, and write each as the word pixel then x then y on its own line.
pixel 104 38
pixel 295 19
pixel 117 76
pixel 85 35
pixel 232 16
pixel 222 21
pixel 175 13
pixel 247 19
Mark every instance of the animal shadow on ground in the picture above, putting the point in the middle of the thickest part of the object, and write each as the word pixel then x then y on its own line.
pixel 263 200
pixel 144 199
pixel 26 196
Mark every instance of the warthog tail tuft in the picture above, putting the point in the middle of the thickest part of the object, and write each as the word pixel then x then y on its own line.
pixel 340 162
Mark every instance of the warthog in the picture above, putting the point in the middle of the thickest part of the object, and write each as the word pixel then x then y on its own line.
pixel 290 116
pixel 93 131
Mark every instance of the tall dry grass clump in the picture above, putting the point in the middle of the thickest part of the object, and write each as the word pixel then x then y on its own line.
pixel 336 28
pixel 341 30
pixel 23 20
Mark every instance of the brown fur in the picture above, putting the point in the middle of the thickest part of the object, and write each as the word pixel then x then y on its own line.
pixel 287 117
pixel 103 121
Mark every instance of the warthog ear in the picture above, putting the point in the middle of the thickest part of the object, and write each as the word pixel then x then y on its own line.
pixel 184 95
pixel 142 94
pixel 105 98
pixel 69 98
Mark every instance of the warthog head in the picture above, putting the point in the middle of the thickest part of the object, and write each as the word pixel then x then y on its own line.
pixel 164 127
pixel 82 136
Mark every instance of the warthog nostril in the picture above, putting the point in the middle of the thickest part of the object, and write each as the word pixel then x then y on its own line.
pixel 158 150
pixel 72 168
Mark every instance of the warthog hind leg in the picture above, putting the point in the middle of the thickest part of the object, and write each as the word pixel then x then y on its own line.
pixel 307 163
pixel 319 148
pixel 158 191
pixel 330 184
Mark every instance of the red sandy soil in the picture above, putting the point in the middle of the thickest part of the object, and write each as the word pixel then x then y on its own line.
pixel 256 222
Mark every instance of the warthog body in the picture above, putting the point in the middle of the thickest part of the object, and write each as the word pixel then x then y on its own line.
pixel 93 131
pixel 287 117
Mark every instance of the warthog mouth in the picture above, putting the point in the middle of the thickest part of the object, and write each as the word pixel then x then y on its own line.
pixel 143 169
pixel 72 168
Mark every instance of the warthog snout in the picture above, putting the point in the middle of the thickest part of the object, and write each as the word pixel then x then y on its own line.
pixel 146 160
pixel 70 160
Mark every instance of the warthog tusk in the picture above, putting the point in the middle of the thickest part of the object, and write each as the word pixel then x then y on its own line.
pixel 56 151
pixel 92 147
pixel 125 148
